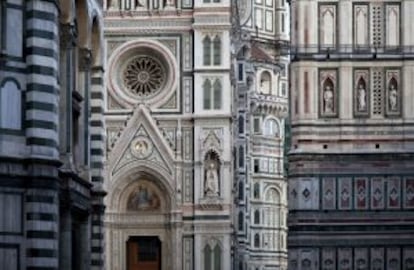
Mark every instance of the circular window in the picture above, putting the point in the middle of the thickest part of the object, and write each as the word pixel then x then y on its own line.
pixel 142 71
pixel 144 76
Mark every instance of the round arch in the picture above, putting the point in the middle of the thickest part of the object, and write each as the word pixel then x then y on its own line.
pixel 129 175
pixel 278 192
pixel 97 42
pixel 279 124
pixel 67 11
pixel 83 23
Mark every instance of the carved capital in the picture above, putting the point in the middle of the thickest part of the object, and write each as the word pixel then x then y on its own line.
pixel 85 59
pixel 68 35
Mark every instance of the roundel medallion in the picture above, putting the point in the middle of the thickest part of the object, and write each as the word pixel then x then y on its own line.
pixel 141 147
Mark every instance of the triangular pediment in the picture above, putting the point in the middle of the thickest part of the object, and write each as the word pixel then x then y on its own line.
pixel 141 140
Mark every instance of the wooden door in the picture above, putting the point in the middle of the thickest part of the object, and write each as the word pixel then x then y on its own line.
pixel 144 253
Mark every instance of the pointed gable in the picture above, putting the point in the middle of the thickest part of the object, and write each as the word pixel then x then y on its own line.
pixel 141 141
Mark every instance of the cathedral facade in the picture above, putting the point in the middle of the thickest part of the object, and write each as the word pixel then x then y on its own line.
pixel 195 113
pixel 351 159
pixel 51 134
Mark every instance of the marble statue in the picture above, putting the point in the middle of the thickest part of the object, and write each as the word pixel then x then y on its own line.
pixel 392 98
pixel 328 97
pixel 211 186
pixel 362 97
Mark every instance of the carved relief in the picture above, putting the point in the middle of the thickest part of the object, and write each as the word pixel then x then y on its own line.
pixel 393 196
pixel 377 193
pixel 361 33
pixel 345 258
pixel 344 193
pixel 392 31
pixel 327 19
pixel 328 259
pixel 328 93
pixel 361 193
pixel 211 140
pixel 141 147
pixel 329 193
pixel 361 259
pixel 377 258
pixel 409 193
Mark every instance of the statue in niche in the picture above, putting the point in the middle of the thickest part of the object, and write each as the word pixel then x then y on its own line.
pixel 211 180
pixel 328 99
pixel 393 97
pixel 362 97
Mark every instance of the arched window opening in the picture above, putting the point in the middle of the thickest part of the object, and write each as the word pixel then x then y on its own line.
pixel 207 51
pixel 217 94
pixel 241 124
pixel 257 217
pixel 241 156
pixel 265 83
pixel 256 240
pixel 256 191
pixel 217 51
pixel 271 128
pixel 241 191
pixel 10 105
pixel 241 221
pixel 207 94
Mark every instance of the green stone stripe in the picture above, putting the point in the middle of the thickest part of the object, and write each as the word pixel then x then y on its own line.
pixel 13 69
pixel 97 137
pixel 97 236
pixel 97 165
pixel 43 15
pixel 97 95
pixel 97 178
pixel 42 106
pixel 40 199
pixel 40 34
pixel 97 123
pixel 41 216
pixel 96 262
pixel 44 88
pixel 97 109
pixel 41 234
pixel 97 81
pixel 42 142
pixel 97 152
pixel 41 268
pixel 42 70
pixel 40 124
pixel 41 253
pixel 41 51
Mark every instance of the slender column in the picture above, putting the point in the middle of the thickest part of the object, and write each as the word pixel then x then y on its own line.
pixel 65 244
pixel 97 166
pixel 67 43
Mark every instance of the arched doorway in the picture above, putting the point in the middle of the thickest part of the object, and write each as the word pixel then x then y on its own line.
pixel 138 220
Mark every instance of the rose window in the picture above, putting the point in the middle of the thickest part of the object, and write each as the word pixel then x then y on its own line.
pixel 144 76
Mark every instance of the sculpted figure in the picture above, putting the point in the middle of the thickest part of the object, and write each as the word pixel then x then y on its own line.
pixel 393 97
pixel 362 96
pixel 211 185
pixel 328 97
